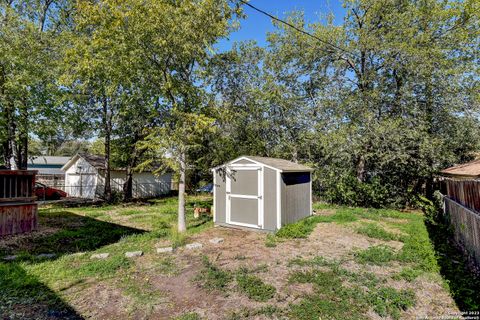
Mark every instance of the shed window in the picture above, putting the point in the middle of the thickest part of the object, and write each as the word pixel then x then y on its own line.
pixel 296 178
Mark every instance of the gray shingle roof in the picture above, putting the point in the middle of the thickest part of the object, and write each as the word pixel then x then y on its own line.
pixel 280 164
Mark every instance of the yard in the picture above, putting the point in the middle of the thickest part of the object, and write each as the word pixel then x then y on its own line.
pixel 343 263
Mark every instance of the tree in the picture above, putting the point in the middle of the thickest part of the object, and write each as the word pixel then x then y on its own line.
pixel 99 68
pixel 28 92
pixel 173 64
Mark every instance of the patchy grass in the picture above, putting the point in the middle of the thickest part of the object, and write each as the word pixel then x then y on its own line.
pixel 408 274
pixel 211 277
pixel 342 294
pixel 254 288
pixel 373 230
pixel 189 316
pixel 339 285
pixel 377 255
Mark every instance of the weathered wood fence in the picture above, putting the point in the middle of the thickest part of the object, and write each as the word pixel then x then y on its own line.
pixel 466 226
pixel 465 192
pixel 18 210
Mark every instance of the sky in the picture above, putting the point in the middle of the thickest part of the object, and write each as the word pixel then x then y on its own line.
pixel 256 25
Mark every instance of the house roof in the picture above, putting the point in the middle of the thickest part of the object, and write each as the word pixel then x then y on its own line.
pixel 47 160
pixel 98 162
pixel 275 163
pixel 469 169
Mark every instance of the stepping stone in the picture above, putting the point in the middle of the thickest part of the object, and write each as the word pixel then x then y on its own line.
pixel 46 256
pixel 133 254
pixel 165 250
pixel 10 258
pixel 216 240
pixel 100 256
pixel 194 245
pixel 78 254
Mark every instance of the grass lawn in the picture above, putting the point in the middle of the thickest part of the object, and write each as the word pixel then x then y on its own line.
pixel 343 263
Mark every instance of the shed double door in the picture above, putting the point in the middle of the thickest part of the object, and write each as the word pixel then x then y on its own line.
pixel 244 192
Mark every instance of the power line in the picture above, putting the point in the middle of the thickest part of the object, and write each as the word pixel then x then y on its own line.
pixel 295 28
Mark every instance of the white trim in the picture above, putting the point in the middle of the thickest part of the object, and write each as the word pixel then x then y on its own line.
pixel 232 162
pixel 258 197
pixel 279 201
pixel 244 225
pixel 311 196
pixel 214 196
pixel 261 213
pixel 243 196
pixel 238 167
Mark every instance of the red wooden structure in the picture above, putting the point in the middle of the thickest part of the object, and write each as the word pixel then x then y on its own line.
pixel 18 210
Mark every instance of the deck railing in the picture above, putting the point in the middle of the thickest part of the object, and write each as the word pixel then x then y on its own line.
pixel 18 210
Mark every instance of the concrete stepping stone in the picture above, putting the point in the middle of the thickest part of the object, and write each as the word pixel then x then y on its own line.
pixel 133 254
pixel 100 256
pixel 165 250
pixel 46 256
pixel 216 240
pixel 10 258
pixel 194 245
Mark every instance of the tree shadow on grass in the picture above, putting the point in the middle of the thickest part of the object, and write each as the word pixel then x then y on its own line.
pixel 23 296
pixel 464 285
pixel 63 232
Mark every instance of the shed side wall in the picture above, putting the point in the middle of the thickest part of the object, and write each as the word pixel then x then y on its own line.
pixel 270 199
pixel 295 192
pixel 220 197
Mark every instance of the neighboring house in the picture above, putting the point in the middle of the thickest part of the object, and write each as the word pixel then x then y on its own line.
pixel 49 169
pixel 85 178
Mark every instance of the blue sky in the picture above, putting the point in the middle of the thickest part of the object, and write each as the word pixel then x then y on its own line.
pixel 256 25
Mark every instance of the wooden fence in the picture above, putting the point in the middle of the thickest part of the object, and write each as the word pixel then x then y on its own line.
pixel 465 192
pixel 466 226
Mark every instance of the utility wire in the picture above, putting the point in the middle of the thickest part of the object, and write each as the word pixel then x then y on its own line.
pixel 295 28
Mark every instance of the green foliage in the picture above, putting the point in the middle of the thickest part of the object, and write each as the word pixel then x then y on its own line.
pixel 373 230
pixel 389 301
pixel 188 316
pixel 408 274
pixel 377 255
pixel 211 277
pixel 303 228
pixel 270 241
pixel 254 288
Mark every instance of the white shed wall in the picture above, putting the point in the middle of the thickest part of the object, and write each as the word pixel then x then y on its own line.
pixel 81 180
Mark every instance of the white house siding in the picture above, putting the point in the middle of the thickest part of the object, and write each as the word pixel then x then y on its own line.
pixel 145 184
pixel 81 179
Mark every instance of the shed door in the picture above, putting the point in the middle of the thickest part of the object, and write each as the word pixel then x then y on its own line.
pixel 244 196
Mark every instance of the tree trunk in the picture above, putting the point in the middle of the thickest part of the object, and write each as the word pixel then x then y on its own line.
pixel 107 127
pixel 128 185
pixel 181 194
pixel 23 139
pixel 361 169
